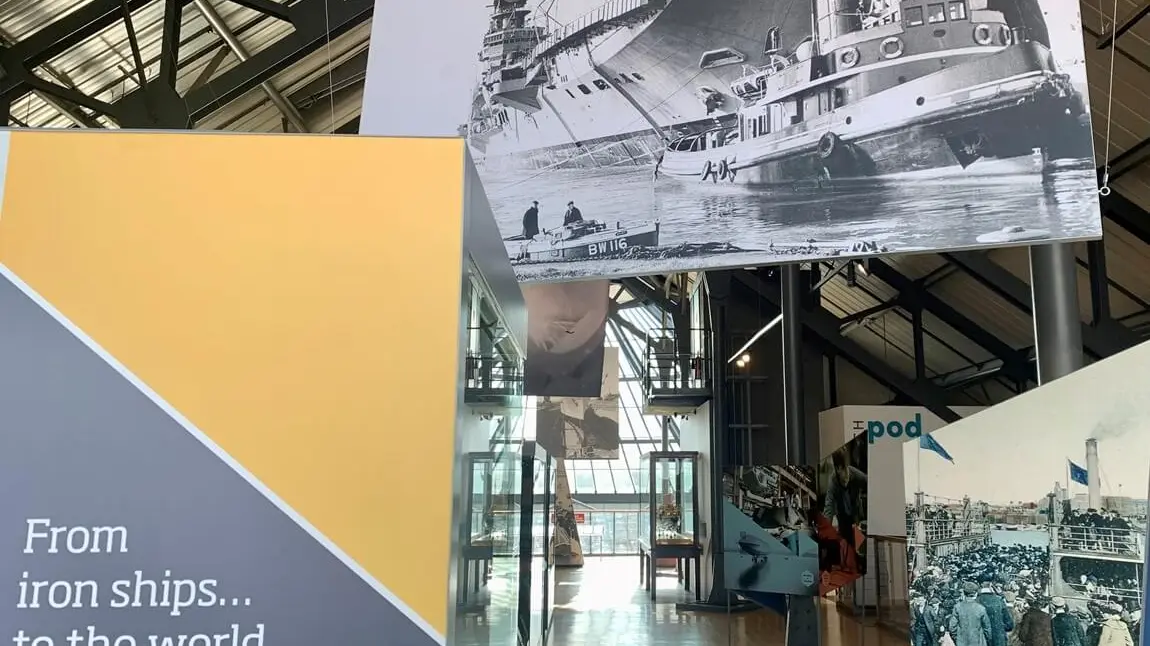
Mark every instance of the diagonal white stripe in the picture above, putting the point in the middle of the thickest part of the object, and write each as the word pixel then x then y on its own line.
pixel 7 273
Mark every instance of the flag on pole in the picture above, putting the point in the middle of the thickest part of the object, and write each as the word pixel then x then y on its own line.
pixel 928 443
pixel 1078 474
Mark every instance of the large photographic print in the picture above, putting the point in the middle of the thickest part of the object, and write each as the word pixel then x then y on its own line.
pixel 1029 518
pixel 617 137
pixel 840 515
pixel 767 540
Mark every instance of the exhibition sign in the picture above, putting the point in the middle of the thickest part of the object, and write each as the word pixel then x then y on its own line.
pixel 1045 524
pixel 622 137
pixel 885 428
pixel 207 398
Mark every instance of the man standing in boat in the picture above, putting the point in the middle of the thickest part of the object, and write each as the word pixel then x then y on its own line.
pixel 573 215
pixel 531 221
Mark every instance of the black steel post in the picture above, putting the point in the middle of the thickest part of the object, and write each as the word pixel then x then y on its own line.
pixel 919 343
pixel 1057 326
pixel 718 303
pixel 792 294
pixel 1099 281
pixel 802 627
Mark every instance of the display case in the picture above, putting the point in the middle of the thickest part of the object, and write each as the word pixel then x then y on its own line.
pixel 668 494
pixel 490 523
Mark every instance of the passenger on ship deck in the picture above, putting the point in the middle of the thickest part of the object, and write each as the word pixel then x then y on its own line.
pixel 573 214
pixel 531 221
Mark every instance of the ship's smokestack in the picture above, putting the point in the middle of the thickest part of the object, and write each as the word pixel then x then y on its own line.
pixel 1093 481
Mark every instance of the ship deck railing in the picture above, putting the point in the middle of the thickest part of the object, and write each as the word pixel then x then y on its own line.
pixel 575 31
pixel 937 530
pixel 1083 592
pixel 1098 541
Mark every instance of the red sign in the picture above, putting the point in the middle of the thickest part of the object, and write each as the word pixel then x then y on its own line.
pixel 580 518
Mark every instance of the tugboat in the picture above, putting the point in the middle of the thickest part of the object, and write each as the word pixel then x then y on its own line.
pixel 588 239
pixel 894 87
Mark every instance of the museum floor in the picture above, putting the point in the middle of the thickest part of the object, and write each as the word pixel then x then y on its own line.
pixel 603 604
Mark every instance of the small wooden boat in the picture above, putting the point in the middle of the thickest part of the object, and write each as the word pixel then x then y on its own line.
pixel 589 239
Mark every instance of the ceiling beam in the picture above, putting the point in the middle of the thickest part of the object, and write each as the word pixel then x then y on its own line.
pixel 1014 365
pixel 1106 339
pixel 1126 25
pixel 825 327
pixel 158 105
pixel 1127 215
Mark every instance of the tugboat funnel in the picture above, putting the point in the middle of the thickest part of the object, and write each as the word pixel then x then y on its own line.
pixel 1093 481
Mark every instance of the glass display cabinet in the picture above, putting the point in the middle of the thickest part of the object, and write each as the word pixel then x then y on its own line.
pixel 669 516
pixel 490 524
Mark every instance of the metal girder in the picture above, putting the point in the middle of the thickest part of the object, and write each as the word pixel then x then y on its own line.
pixel 170 42
pixel 826 327
pixel 645 292
pixel 1103 340
pixel 1127 215
pixel 1013 364
pixel 1099 282
pixel 266 7
pixel 1125 26
pixel 311 19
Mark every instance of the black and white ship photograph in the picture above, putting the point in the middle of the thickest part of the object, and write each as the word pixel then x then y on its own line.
pixel 617 137
pixel 1045 533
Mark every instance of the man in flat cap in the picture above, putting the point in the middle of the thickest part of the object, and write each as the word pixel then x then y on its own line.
pixel 969 623
pixel 1065 627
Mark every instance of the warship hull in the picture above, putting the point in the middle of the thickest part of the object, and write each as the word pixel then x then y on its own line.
pixel 616 99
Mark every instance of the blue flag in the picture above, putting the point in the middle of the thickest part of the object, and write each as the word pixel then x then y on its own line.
pixel 1078 474
pixel 928 443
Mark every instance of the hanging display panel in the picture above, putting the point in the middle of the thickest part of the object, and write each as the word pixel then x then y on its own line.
pixel 583 428
pixel 768 543
pixel 621 137
pixel 1035 511
pixel 566 332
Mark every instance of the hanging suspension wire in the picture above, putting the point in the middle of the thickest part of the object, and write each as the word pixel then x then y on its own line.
pixel 1104 189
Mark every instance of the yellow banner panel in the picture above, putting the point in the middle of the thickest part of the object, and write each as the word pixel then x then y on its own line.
pixel 297 298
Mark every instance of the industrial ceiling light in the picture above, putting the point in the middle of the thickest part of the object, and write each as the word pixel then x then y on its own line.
pixel 746 358
pixel 747 346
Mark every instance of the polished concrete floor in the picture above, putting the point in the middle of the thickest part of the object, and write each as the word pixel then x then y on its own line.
pixel 603 604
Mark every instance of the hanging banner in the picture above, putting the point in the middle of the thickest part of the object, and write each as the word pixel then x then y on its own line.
pixel 1035 508
pixel 583 428
pixel 618 137
pixel 566 333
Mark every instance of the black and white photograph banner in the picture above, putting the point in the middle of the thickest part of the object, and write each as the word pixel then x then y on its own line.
pixel 1032 513
pixel 583 428
pixel 566 333
pixel 621 137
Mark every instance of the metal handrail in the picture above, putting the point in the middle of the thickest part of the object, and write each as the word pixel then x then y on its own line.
pixel 669 366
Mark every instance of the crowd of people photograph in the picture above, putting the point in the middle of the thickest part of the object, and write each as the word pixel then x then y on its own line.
pixel 995 588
